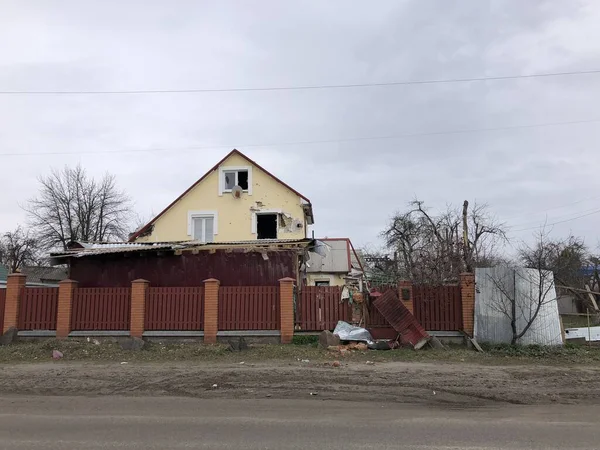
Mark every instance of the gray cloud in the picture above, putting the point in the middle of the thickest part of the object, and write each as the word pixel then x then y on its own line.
pixel 355 186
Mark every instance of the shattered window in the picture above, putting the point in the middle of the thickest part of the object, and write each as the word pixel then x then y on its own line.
pixel 230 180
pixel 242 179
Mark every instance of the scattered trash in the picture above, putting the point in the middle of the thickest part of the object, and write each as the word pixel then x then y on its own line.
pixel 370 363
pixel 336 364
pixel 306 360
pixel 96 342
pixel 433 392
pixel 268 395
pixel 347 332
pixel 242 363
pixel 124 362
pixel 56 354
pixel 89 339
pixel 215 386
pixel 314 393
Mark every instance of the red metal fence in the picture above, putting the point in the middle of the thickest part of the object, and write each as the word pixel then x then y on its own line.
pixel 2 301
pixel 320 308
pixel 175 308
pixel 38 309
pixel 101 309
pixel 249 308
pixel 438 308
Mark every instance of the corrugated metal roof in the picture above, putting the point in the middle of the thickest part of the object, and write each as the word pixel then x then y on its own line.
pixel 100 248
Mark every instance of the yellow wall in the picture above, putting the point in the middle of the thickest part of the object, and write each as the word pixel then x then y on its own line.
pixel 335 279
pixel 234 215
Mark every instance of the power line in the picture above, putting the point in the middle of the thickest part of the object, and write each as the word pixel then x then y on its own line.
pixel 312 142
pixel 306 87
pixel 560 221
pixel 552 208
pixel 567 215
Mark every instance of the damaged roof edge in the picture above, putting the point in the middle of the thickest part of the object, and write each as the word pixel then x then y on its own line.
pixel 90 249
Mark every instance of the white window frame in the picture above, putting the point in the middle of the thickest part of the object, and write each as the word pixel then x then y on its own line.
pixel 236 169
pixel 202 215
pixel 254 224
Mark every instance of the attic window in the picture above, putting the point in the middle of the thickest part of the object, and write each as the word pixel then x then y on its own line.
pixel 235 176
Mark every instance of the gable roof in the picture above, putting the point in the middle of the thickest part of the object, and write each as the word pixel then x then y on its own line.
pixel 216 167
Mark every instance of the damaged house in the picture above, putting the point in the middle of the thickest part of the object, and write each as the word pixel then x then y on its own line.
pixel 238 223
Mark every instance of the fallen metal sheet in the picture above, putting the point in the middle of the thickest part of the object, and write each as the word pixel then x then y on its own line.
pixel 401 320
pixel 347 332
pixel 589 334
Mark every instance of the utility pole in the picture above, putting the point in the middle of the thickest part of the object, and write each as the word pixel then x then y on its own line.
pixel 466 244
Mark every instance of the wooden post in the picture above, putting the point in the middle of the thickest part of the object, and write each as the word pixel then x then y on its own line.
pixel 66 292
pixel 15 284
pixel 286 309
pixel 467 294
pixel 139 290
pixel 211 310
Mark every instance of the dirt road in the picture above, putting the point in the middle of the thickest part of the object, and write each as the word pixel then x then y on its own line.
pixel 408 382
pixel 74 423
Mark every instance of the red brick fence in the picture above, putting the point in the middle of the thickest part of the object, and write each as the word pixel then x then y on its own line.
pixel 210 309
pixel 142 308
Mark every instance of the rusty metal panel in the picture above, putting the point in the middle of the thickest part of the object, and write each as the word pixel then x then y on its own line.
pixel 400 318
pixel 102 309
pixel 231 268
pixel 175 308
pixel 38 309
pixel 249 308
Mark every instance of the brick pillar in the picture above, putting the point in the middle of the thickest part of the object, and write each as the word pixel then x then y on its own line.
pixel 66 291
pixel 467 294
pixel 15 283
pixel 139 290
pixel 211 310
pixel 405 293
pixel 286 309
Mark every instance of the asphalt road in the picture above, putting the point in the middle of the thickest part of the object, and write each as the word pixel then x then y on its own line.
pixel 70 423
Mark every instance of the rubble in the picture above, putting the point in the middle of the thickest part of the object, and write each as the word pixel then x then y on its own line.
pixel 328 339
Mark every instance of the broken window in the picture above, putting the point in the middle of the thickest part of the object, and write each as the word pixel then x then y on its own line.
pixel 235 178
pixel 242 179
pixel 266 226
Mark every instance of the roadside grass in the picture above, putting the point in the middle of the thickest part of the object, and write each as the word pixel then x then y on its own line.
pixel 108 350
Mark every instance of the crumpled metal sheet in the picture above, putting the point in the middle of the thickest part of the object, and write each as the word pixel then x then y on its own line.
pixel 347 332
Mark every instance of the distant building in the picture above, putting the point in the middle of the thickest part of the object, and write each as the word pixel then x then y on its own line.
pixel 335 264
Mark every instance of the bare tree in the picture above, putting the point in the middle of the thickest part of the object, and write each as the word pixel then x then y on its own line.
pixel 436 248
pixel 17 249
pixel 522 293
pixel 73 206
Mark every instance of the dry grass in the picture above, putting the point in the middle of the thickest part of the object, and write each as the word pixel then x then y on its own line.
pixel 108 350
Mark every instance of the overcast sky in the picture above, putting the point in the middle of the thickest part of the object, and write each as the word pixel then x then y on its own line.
pixel 527 175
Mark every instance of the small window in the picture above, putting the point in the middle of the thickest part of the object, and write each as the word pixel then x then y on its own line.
pixel 322 283
pixel 235 178
pixel 204 229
